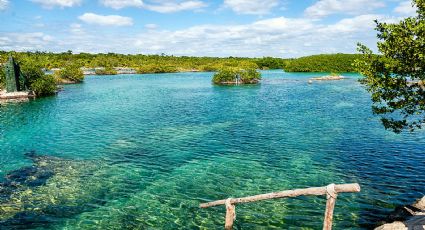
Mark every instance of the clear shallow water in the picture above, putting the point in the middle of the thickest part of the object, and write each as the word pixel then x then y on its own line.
pixel 142 151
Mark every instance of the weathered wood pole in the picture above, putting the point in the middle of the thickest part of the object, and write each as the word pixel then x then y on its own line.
pixel 289 193
pixel 331 196
pixel 230 215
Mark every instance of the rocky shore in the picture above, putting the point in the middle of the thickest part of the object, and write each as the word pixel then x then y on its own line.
pixel 16 96
pixel 406 217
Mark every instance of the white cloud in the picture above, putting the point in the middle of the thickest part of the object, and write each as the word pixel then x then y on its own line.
pixel 119 4
pixel 175 6
pixel 279 36
pixel 151 26
pixel 4 4
pixel 58 3
pixel 406 8
pixel 161 6
pixel 323 8
pixel 106 20
pixel 25 41
pixel 259 7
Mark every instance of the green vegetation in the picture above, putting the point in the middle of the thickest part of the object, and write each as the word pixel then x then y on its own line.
pixel 141 63
pixel 270 63
pixel 71 73
pixel 323 63
pixel 106 71
pixel 396 78
pixel 44 86
pixel 155 68
pixel 2 78
pixel 228 76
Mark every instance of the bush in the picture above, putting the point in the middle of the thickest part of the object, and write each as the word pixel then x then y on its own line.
pixel 2 78
pixel 106 71
pixel 237 76
pixel 156 68
pixel 32 71
pixel 72 73
pixel 44 86
pixel 338 63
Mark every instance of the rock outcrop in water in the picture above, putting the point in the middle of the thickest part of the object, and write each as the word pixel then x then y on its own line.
pixel 328 78
pixel 406 217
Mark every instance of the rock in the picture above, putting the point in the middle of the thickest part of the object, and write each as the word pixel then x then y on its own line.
pixel 328 78
pixel 406 217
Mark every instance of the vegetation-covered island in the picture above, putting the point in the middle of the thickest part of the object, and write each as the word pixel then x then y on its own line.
pixel 237 76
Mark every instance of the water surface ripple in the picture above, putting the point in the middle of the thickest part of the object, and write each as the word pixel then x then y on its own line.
pixel 142 151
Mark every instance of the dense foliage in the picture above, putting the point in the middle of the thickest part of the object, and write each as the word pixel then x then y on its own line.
pixel 106 71
pixel 155 68
pixel 142 63
pixel 44 86
pixel 71 72
pixel 237 76
pixel 323 63
pixel 396 78
pixel 2 78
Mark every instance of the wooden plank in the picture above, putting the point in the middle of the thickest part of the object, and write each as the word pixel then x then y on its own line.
pixel 288 193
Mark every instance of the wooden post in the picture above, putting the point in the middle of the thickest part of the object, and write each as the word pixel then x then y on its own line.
pixel 331 196
pixel 230 214
pixel 289 193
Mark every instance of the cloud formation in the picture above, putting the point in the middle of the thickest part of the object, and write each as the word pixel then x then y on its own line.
pixel 58 3
pixel 405 8
pixel 4 4
pixel 259 7
pixel 174 6
pixel 106 20
pixel 323 8
pixel 119 4
pixel 163 6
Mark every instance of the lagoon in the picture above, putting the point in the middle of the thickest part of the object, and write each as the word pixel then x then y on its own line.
pixel 142 151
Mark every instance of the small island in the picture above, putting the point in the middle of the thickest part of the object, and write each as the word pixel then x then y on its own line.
pixel 331 77
pixel 236 76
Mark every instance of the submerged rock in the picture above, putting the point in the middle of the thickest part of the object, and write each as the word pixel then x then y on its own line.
pixel 51 188
pixel 406 217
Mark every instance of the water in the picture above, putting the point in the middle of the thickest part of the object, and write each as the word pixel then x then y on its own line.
pixel 142 151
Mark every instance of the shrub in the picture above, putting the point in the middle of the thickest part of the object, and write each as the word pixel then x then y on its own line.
pixel 237 76
pixel 106 71
pixel 32 71
pixel 2 78
pixel 72 73
pixel 156 68
pixel 44 86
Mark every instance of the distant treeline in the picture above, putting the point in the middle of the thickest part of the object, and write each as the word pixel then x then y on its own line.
pixel 165 63
pixel 337 63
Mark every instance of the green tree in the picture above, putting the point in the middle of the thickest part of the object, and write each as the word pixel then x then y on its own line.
pixel 396 77
pixel 232 75
pixel 44 86
pixel 2 78
pixel 31 70
pixel 72 73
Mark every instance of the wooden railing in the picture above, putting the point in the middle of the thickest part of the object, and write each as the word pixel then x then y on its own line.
pixel 331 191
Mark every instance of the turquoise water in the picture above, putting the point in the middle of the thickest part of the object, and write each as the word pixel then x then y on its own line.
pixel 142 151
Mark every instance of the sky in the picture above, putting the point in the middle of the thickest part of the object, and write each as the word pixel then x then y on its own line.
pixel 221 28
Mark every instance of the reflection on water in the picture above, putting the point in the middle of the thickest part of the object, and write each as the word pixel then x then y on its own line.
pixel 142 151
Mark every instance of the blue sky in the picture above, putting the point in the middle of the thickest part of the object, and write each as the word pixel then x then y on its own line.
pixel 250 28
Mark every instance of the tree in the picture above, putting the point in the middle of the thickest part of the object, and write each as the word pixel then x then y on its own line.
pixel 232 75
pixel 44 86
pixel 72 73
pixel 396 77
